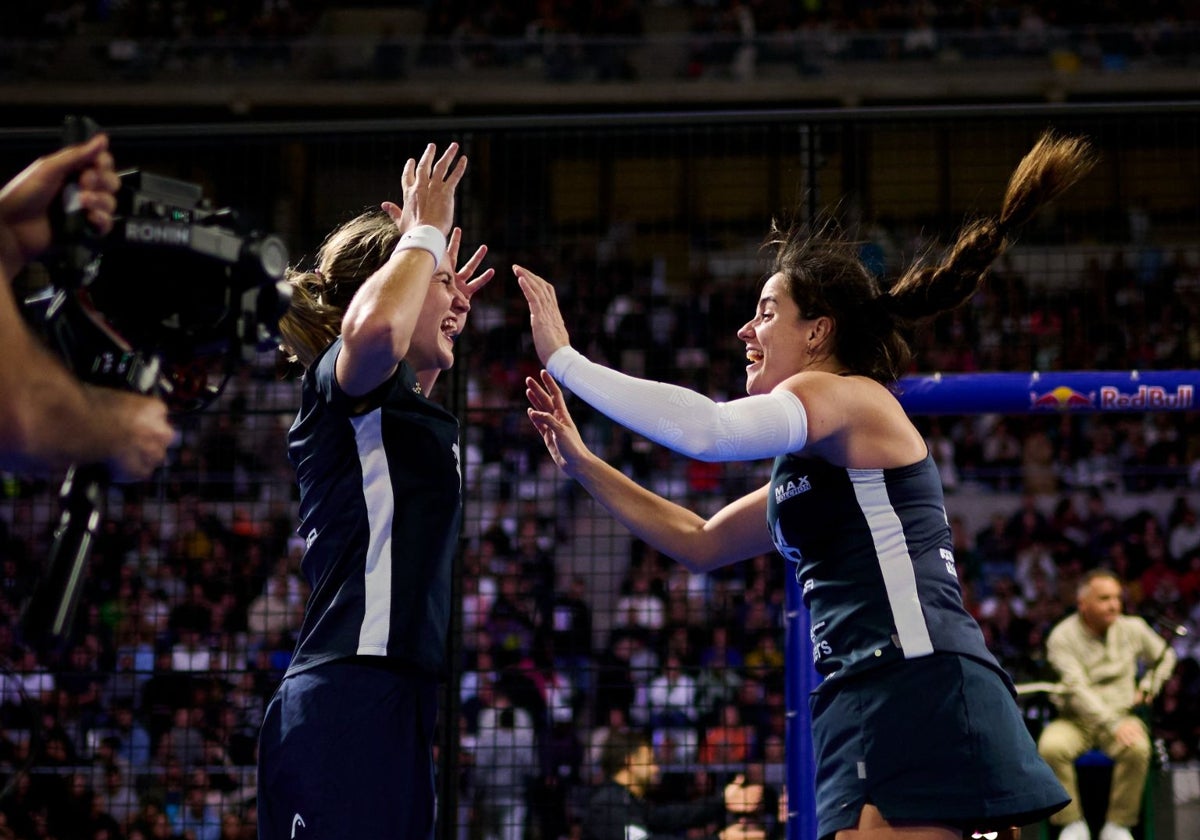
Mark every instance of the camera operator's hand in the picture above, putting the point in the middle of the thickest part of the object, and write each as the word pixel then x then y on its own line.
pixel 25 201
pixel 429 188
pixel 142 432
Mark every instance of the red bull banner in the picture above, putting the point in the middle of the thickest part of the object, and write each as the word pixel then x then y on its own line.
pixel 1049 392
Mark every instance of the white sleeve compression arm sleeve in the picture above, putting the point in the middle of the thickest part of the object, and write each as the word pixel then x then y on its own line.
pixel 691 424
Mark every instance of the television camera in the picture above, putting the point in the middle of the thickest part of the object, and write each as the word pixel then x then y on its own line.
pixel 170 302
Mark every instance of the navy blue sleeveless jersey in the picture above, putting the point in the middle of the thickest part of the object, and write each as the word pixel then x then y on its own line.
pixel 874 562
pixel 380 510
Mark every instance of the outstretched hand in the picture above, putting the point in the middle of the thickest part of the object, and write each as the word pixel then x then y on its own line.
pixel 464 275
pixel 548 412
pixel 549 331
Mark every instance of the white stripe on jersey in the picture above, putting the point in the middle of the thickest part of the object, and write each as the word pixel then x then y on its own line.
pixel 895 563
pixel 377 493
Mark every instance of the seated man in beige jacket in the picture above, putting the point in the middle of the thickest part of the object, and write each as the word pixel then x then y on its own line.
pixel 1099 654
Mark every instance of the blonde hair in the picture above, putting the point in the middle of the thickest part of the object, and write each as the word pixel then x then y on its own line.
pixel 349 255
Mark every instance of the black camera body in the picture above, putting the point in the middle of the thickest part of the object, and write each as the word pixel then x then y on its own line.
pixel 175 295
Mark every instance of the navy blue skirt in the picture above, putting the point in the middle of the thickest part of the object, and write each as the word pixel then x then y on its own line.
pixel 938 739
pixel 346 751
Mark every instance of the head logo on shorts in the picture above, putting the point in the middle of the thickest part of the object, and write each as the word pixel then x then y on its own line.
pixel 297 822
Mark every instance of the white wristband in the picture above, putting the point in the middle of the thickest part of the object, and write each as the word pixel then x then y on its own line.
pixel 427 238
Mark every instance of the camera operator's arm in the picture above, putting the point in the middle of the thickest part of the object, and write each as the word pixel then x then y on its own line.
pixel 48 418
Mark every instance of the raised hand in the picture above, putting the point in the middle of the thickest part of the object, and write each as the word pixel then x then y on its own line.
pixel 548 412
pixel 428 188
pixel 549 331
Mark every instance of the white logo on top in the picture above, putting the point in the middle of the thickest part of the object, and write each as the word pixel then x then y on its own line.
pixel 783 492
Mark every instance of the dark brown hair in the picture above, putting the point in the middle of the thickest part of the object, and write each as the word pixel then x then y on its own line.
pixel 620 746
pixel 826 276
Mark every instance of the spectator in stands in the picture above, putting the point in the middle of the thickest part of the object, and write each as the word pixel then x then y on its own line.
pixel 184 741
pixel 619 808
pixel 505 764
pixel 571 633
pixel 131 740
pixel 997 551
pixel 618 675
pixel 279 607
pixel 766 656
pixel 1002 456
pixel 116 793
pixel 670 704
pixel 373 325
pixel 532 555
pixel 729 740
pixel 1038 475
pixel 1035 571
pixel 1176 713
pixel 1183 537
pixel 48 419
pixel 719 677
pixel 640 608
pixel 941 448
pixel 823 346
pixel 615 720
pixel 512 620
pixel 198 818
pixel 1099 524
pixel 1160 578
pixel 560 754
pixel 1098 654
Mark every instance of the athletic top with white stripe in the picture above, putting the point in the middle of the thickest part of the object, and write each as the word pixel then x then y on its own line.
pixel 875 564
pixel 380 509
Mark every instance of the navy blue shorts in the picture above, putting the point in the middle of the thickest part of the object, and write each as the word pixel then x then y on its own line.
pixel 938 739
pixel 346 750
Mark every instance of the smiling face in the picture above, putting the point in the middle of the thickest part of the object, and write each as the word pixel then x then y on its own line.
pixel 443 317
pixel 778 339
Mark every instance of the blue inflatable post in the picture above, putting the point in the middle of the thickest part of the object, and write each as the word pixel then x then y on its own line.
pixel 800 679
pixel 1075 391
pixel 961 393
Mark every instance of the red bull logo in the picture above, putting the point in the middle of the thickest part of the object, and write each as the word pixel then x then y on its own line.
pixel 1146 397
pixel 1061 398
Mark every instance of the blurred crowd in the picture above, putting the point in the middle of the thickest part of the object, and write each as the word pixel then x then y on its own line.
pixel 144 725
pixel 572 40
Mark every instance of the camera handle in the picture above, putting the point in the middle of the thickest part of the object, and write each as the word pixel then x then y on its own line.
pixel 51 610
pixel 75 238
